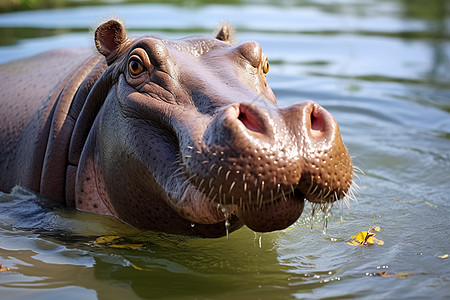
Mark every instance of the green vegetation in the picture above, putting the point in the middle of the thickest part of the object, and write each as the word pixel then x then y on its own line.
pixel 18 5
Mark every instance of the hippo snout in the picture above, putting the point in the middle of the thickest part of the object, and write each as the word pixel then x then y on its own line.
pixel 261 162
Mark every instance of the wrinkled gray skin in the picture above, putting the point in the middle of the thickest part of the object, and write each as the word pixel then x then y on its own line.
pixel 169 135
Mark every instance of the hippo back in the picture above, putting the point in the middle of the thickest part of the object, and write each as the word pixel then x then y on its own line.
pixel 29 92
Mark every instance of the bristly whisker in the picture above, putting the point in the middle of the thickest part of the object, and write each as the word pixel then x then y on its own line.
pixel 310 187
pixel 201 183
pixel 358 170
pixel 292 189
pixel 210 192
pixel 231 187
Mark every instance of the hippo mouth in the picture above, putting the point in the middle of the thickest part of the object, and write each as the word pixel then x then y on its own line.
pixel 242 166
pixel 278 213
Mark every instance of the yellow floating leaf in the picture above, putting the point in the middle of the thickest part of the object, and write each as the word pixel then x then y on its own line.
pixel 443 256
pixel 139 268
pixel 360 236
pixel 106 239
pixel 361 239
pixel 353 242
pixel 103 240
pixel 126 246
pixel 376 241
pixel 114 241
pixel 136 267
pixel 366 237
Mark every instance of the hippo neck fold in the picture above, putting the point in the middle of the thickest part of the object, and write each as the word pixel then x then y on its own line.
pixel 73 115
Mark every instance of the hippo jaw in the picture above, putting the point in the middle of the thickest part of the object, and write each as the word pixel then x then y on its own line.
pixel 211 144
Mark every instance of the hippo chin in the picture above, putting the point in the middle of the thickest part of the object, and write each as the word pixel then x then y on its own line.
pixel 180 136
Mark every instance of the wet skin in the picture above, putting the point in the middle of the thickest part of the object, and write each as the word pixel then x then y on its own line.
pixel 178 136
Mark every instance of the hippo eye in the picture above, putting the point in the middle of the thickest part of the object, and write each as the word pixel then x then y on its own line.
pixel 135 67
pixel 265 65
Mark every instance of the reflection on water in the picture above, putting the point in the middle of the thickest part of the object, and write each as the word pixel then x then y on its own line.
pixel 382 69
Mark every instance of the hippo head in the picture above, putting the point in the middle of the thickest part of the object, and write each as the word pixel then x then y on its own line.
pixel 190 136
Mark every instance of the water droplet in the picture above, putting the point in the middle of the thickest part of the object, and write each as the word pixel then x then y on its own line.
pixel 227 226
pixel 326 215
pixel 224 210
pixel 325 223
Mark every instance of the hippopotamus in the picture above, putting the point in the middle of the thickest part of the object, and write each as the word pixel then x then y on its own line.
pixel 179 136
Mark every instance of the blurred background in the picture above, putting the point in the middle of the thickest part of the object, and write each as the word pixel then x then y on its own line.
pixel 381 67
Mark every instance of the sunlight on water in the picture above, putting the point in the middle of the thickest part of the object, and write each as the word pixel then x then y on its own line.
pixel 380 67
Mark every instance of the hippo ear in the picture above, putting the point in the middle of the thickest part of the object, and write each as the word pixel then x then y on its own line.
pixel 109 36
pixel 225 33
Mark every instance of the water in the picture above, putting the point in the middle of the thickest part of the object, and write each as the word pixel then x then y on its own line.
pixel 381 67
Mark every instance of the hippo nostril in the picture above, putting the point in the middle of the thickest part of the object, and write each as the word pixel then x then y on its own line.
pixel 317 122
pixel 250 120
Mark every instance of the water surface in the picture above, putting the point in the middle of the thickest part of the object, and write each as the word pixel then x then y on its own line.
pixel 382 68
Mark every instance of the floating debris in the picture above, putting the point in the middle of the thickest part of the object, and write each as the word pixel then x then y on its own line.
pixel 6 269
pixel 401 275
pixel 416 201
